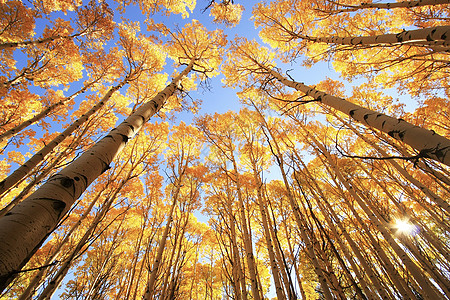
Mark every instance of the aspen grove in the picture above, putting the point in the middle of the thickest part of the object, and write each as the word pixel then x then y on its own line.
pixel 121 176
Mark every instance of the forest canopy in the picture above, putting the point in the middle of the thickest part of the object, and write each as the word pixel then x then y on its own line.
pixel 285 149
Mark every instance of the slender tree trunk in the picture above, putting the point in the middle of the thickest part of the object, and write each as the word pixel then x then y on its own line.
pixel 246 235
pixel 32 286
pixel 238 276
pixel 425 285
pixel 422 187
pixel 439 35
pixel 299 219
pixel 14 45
pixel 296 210
pixel 16 129
pixel 331 242
pixel 427 142
pixel 149 290
pixel 26 226
pixel 428 235
pixel 42 173
pixel 392 273
pixel 293 259
pixel 390 5
pixel 273 263
pixel 25 168
pixel 278 252
pixel 64 269
pixel 356 251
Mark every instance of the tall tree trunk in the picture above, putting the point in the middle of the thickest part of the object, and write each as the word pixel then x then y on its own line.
pixel 44 113
pixel 25 168
pixel 238 276
pixel 426 286
pixel 149 290
pixel 427 142
pixel 14 45
pixel 26 226
pixel 331 242
pixel 427 235
pixel 422 187
pixel 64 269
pixel 283 267
pixel 273 262
pixel 322 202
pixel 32 286
pixel 246 235
pixel 300 221
pixel 391 271
pixel 439 35
pixel 42 173
pixel 390 5
pixel 294 205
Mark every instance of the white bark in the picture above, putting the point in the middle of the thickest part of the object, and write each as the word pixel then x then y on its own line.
pixel 390 5
pixel 13 45
pixel 24 169
pixel 27 225
pixel 427 142
pixel 13 131
pixel 423 37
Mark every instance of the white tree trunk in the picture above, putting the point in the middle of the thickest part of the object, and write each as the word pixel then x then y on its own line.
pixel 427 142
pixel 390 5
pixel 439 35
pixel 26 168
pixel 26 226
pixel 13 131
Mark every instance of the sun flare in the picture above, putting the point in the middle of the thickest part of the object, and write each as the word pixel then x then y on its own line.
pixel 404 227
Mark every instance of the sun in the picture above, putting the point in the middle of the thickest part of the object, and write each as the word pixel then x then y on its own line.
pixel 404 227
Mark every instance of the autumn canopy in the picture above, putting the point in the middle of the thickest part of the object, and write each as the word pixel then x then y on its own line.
pixel 326 176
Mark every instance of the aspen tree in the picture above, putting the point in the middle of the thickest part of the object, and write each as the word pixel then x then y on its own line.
pixel 219 203
pixel 390 270
pixel 422 187
pixel 67 185
pixel 222 139
pixel 362 281
pixel 418 67
pixel 240 289
pixel 283 267
pixel 44 113
pixel 93 20
pixel 255 155
pixel 319 244
pixel 333 248
pixel 427 288
pixel 426 142
pixel 296 210
pixel 24 169
pixel 184 151
pixel 140 62
pixel 133 159
pixel 107 64
pixel 56 280
pixel 300 279
pixel 332 7
pixel 434 36
pixel 428 235
pixel 329 211
pixel 39 173
pixel 399 283
pixel 385 219
pixel 31 288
